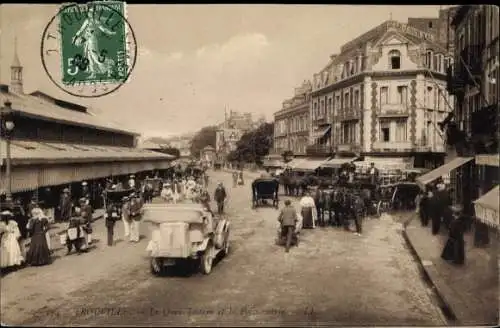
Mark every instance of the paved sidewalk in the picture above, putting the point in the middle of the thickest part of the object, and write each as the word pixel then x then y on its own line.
pixel 471 291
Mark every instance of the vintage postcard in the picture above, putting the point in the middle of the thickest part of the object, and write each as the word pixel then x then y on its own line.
pixel 249 165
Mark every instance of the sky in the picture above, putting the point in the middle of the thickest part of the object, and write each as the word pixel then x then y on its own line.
pixel 195 60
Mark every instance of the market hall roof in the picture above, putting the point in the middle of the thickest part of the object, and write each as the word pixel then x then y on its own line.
pixel 42 106
pixel 31 152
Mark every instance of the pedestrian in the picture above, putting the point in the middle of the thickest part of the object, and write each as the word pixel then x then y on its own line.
pixel 220 197
pixel 65 206
pixel 356 208
pixel 454 250
pixel 288 219
pixel 308 211
pixel 422 207
pixel 85 190
pixel 241 181
pixel 131 182
pixel 126 216
pixel 135 214
pixel 111 217
pixel 235 178
pixel 373 173
pixel 86 213
pixel 205 177
pixel 11 256
pixel 38 253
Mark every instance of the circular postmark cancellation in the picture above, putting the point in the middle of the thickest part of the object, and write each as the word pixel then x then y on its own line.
pixel 89 50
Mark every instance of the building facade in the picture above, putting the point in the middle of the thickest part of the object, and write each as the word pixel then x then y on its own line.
pixel 473 79
pixel 383 95
pixel 292 122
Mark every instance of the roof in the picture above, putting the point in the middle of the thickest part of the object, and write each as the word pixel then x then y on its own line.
pixel 30 152
pixel 148 144
pixel 42 108
pixel 490 199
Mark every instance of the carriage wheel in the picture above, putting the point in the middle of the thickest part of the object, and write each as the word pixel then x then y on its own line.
pixel 379 208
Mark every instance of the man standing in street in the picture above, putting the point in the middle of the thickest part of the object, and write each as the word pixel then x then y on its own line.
pixel 374 174
pixel 135 214
pixel 126 216
pixel 131 182
pixel 220 197
pixel 111 217
pixel 65 206
pixel 288 219
pixel 86 210
pixel 235 178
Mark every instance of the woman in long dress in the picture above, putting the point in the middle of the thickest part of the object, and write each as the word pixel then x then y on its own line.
pixel 308 211
pixel 38 253
pixel 11 255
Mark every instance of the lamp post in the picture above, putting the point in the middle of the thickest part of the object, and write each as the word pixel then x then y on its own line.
pixel 7 127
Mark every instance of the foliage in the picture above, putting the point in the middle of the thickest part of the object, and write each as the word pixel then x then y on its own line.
pixel 253 145
pixel 205 137
pixel 172 151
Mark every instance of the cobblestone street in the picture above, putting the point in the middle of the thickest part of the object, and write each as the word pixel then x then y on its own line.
pixel 333 277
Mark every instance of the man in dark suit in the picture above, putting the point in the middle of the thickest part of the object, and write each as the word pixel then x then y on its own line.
pixel 288 219
pixel 373 173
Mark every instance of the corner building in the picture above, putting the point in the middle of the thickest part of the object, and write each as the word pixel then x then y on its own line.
pixel 382 96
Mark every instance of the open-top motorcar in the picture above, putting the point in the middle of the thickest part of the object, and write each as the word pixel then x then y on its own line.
pixel 184 234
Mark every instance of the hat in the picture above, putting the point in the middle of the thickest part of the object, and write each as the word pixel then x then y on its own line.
pixel 125 198
pixel 6 213
pixel 83 199
pixel 132 176
pixel 66 190
pixel 84 183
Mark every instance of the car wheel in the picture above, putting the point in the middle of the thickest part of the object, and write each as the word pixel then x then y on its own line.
pixel 226 244
pixel 156 266
pixel 207 259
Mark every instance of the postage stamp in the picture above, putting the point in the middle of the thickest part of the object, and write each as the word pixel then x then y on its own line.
pixel 89 50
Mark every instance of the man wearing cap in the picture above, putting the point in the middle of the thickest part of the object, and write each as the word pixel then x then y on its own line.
pixel 111 216
pixel 85 189
pixel 288 219
pixel 65 206
pixel 126 216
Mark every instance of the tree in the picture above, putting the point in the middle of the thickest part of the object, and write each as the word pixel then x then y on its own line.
pixel 204 137
pixel 254 144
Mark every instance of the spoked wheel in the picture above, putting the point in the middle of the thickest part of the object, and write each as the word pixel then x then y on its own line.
pixel 226 244
pixel 156 266
pixel 207 259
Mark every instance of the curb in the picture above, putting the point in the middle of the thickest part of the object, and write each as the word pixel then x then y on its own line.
pixel 443 304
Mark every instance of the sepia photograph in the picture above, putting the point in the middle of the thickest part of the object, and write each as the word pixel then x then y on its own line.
pixel 249 165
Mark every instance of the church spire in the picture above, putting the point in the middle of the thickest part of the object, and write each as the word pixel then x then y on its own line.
pixel 16 72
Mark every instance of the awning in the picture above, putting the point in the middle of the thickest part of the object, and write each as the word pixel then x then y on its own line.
pixel 427 178
pixel 308 164
pixel 294 162
pixel 338 162
pixel 322 132
pixel 273 163
pixel 488 159
pixel 487 208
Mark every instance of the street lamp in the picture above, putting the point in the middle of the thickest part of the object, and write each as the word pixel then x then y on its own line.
pixel 6 129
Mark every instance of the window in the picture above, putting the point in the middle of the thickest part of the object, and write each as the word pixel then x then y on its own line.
pixel 351 100
pixel 401 132
pixel 385 129
pixel 356 99
pixel 384 95
pixel 394 59
pixel 428 59
pixel 446 64
pixel 330 108
pixel 351 66
pixel 430 24
pixel 346 100
pixel 349 133
pixel 429 98
pixel 403 95
pixel 322 108
pixel 435 63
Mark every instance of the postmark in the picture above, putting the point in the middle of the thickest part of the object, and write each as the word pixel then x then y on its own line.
pixel 89 50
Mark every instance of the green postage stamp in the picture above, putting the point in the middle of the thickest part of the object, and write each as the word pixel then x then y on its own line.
pixel 94 46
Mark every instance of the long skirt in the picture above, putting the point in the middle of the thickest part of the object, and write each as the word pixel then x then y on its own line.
pixel 454 250
pixel 10 251
pixel 38 253
pixel 307 218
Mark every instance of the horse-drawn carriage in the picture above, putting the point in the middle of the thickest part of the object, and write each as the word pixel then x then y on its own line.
pixel 265 189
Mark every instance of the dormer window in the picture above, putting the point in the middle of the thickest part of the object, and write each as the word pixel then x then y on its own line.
pixel 394 59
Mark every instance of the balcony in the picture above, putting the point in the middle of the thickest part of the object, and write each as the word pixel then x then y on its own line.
pixel 456 79
pixel 320 120
pixel 472 55
pixel 350 114
pixel 393 110
pixel 319 150
pixel 393 146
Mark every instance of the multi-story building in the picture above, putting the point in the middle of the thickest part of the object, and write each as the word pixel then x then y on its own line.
pixel 473 129
pixel 291 122
pixel 382 96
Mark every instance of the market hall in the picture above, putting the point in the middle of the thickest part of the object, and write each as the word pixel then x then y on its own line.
pixel 50 144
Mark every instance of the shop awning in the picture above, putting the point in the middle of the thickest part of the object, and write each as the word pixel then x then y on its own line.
pixel 488 159
pixel 487 208
pixel 294 162
pixel 273 163
pixel 29 152
pixel 427 178
pixel 308 164
pixel 338 162
pixel 322 132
